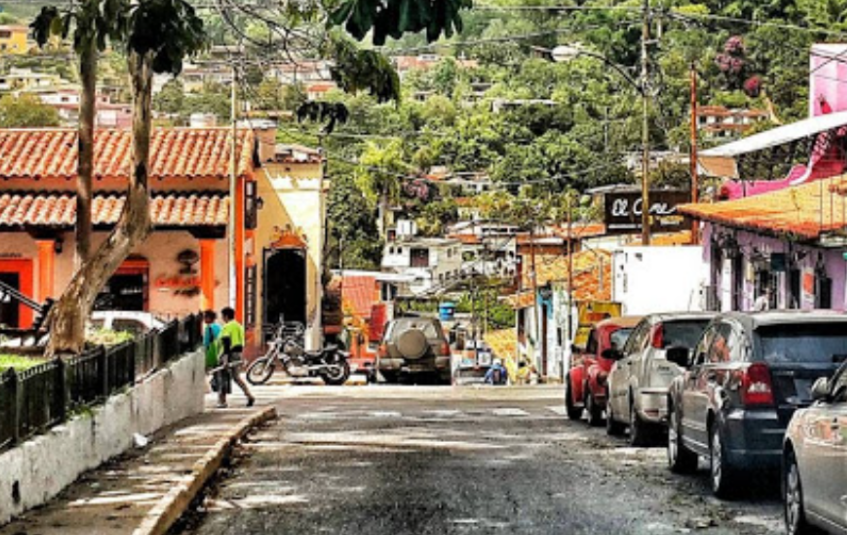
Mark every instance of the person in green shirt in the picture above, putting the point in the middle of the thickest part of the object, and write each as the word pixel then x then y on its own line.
pixel 232 343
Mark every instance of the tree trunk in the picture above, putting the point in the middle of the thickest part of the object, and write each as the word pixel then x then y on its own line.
pixel 85 164
pixel 67 319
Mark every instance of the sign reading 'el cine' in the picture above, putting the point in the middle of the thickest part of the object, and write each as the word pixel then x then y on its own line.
pixel 624 209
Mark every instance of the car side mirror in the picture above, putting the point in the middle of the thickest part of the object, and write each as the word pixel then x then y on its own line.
pixel 678 355
pixel 820 390
pixel 612 354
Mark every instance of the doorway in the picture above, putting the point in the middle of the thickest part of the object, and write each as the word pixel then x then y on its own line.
pixel 284 287
pixel 17 274
pixel 127 289
pixel 9 313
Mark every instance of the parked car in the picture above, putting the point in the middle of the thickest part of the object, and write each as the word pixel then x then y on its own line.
pixel 638 382
pixel 748 374
pixel 414 346
pixel 815 461
pixel 125 321
pixel 585 384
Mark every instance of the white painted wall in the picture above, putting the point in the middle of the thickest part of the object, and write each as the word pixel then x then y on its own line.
pixel 48 463
pixel 659 279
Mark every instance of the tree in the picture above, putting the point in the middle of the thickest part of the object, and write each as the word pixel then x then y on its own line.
pixel 26 111
pixel 171 98
pixel 157 35
pixel 93 23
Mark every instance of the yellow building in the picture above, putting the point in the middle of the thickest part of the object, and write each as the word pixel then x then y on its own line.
pixel 13 40
pixel 289 237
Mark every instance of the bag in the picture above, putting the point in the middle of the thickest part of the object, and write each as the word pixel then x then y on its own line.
pixel 221 382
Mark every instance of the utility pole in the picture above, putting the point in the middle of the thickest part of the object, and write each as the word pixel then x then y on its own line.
pixel 695 192
pixel 233 181
pixel 570 282
pixel 645 125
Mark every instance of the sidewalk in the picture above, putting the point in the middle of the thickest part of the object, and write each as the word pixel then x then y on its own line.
pixel 115 498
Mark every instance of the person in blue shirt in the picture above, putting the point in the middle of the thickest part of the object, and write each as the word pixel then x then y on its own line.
pixel 496 374
pixel 211 333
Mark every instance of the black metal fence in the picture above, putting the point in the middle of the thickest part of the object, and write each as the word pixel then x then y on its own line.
pixel 37 398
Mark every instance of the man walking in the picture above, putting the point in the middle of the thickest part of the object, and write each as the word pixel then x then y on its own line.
pixel 232 341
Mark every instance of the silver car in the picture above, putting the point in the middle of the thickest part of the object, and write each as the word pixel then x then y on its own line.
pixel 655 353
pixel 815 460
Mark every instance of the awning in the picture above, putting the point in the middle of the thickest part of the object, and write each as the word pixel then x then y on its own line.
pixel 721 161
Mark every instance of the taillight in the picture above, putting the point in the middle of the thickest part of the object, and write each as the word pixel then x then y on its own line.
pixel 383 351
pixel 756 385
pixel 658 335
pixel 445 349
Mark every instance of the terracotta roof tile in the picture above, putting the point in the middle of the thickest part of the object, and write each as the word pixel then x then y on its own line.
pixel 592 276
pixel 806 210
pixel 503 343
pixel 59 210
pixel 359 295
pixel 174 152
pixel 582 230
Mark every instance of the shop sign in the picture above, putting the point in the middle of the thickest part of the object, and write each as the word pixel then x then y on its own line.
pixel 590 314
pixel 623 211
pixel 186 281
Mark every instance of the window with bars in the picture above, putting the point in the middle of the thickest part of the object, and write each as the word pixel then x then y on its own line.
pixel 251 208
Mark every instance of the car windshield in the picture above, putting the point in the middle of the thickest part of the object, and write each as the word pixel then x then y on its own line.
pixel 822 343
pixel 682 333
pixel 619 337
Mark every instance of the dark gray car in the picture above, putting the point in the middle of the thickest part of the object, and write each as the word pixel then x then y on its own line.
pixel 747 376
pixel 414 346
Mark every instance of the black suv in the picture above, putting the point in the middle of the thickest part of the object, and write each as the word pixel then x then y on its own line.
pixel 748 374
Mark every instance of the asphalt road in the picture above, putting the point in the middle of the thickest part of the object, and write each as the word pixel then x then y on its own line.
pixel 441 460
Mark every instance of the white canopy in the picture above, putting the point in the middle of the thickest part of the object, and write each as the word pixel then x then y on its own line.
pixel 721 161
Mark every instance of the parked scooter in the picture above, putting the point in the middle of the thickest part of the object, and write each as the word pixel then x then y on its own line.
pixel 286 350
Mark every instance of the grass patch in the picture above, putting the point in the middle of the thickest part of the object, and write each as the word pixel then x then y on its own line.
pixel 18 362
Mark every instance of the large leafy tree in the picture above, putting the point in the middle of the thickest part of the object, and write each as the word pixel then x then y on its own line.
pixel 156 35
pixel 91 24
pixel 26 111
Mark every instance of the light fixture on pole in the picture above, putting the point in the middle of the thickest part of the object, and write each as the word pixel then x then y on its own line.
pixel 566 53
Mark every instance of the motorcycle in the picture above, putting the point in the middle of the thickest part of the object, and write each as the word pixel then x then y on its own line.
pixel 286 350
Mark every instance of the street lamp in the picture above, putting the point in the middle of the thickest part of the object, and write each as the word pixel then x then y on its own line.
pixel 566 53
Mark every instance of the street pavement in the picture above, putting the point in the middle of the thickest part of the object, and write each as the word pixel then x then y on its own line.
pixel 441 460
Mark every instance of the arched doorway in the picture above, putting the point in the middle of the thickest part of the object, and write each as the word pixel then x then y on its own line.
pixel 284 291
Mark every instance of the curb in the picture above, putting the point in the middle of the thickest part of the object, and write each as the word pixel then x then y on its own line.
pixel 171 507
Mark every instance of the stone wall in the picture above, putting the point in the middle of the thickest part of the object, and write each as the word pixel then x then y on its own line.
pixel 37 470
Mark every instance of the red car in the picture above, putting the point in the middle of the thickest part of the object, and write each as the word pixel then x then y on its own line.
pixel 585 385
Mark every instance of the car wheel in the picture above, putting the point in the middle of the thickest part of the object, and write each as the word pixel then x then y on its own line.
pixel 573 412
pixel 681 460
pixel 595 413
pixel 638 430
pixel 613 427
pixel 795 513
pixel 722 475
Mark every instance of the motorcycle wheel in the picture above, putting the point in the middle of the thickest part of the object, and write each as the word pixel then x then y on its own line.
pixel 336 375
pixel 260 371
